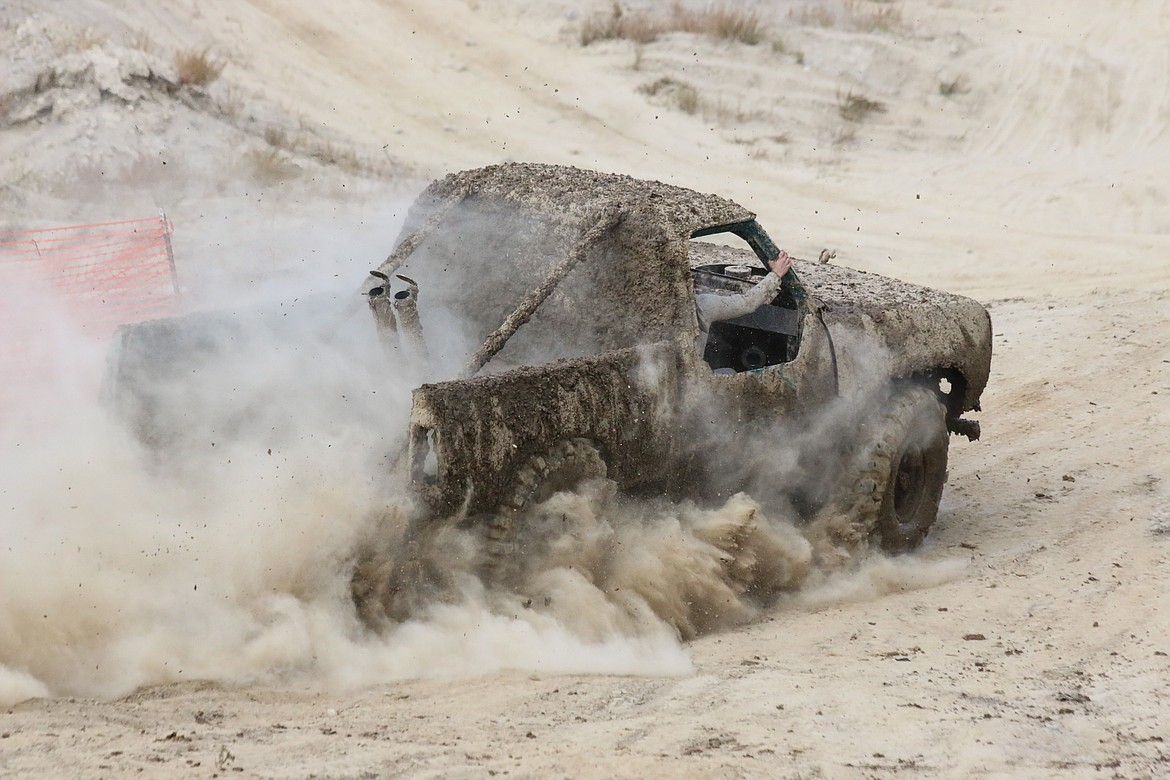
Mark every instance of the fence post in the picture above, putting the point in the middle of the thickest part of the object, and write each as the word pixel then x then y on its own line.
pixel 166 232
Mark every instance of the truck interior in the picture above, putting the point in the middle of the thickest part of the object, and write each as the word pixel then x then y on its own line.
pixel 722 264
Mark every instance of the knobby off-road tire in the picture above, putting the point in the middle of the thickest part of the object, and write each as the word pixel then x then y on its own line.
pixel 513 531
pixel 903 468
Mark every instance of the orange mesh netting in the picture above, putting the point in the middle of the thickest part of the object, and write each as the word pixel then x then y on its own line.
pixel 82 280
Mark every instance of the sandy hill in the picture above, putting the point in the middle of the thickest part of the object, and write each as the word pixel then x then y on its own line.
pixel 993 131
pixel 1015 152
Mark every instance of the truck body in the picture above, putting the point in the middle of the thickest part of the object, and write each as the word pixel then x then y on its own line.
pixel 610 354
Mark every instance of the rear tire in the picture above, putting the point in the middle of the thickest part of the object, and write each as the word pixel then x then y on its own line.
pixel 515 532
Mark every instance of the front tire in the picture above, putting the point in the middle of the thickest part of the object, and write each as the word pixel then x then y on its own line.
pixel 904 470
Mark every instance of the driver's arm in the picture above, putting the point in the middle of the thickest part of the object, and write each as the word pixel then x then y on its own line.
pixel 714 307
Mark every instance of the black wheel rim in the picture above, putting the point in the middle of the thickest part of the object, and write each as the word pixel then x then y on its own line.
pixel 909 485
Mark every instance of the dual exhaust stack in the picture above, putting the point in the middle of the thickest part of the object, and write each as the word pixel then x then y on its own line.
pixel 396 314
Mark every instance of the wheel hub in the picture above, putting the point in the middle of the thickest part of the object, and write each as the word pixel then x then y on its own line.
pixel 909 483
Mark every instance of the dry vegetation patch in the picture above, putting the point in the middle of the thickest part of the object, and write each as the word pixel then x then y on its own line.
pixel 278 162
pixel 866 17
pixel 110 173
pixel 272 166
pixel 198 67
pixel 637 27
pixel 950 87
pixel 858 15
pixel 680 94
pixel 722 22
pixel 853 107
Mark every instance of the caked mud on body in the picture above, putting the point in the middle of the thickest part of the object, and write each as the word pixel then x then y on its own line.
pixel 553 313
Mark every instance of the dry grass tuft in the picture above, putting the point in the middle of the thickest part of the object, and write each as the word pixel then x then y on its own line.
pixel 230 104
pixel 344 158
pixel 861 15
pixel 854 108
pixel 144 169
pixel 636 27
pixel 955 86
pixel 687 100
pixel 198 67
pixel 884 19
pixel 725 113
pixel 136 171
pixel 272 166
pixel 722 22
pixel 846 134
pixel 277 137
pixel 679 94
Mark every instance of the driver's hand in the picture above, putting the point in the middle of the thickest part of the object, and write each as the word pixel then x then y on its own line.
pixel 781 264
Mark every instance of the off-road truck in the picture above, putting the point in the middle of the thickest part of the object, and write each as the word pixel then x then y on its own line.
pixel 556 310
pixel 576 356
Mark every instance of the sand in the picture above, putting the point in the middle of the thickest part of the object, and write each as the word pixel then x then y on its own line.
pixel 1026 638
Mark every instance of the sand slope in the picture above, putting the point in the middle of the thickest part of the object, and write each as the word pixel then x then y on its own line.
pixel 1028 638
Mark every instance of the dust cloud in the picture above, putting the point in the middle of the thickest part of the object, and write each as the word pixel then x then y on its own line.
pixel 223 549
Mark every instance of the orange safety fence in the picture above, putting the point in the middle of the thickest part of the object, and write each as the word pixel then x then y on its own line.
pixel 78 281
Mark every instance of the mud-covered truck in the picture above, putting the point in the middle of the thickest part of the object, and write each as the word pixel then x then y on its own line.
pixel 553 311
pixel 577 355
